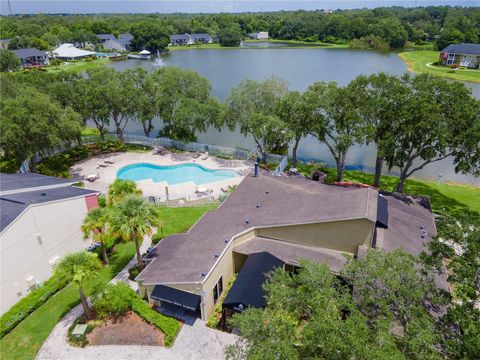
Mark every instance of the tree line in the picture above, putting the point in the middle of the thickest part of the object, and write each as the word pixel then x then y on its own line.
pixel 381 27
pixel 413 120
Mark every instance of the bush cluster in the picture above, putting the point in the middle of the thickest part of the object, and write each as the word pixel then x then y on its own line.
pixel 113 300
pixel 157 237
pixel 169 326
pixel 29 303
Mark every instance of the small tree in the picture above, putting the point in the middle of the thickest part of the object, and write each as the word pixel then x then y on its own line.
pixel 95 226
pixel 298 114
pixel 113 300
pixel 119 189
pixel 133 219
pixel 338 124
pixel 251 106
pixel 8 61
pixel 79 267
pixel 230 36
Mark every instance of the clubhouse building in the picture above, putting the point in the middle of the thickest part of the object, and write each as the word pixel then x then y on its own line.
pixel 271 221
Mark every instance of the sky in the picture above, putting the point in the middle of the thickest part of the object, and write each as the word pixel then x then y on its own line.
pixel 205 6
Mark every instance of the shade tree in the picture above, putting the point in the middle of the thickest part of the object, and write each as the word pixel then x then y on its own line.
pixel 8 61
pixel 438 119
pixel 251 107
pixel 337 124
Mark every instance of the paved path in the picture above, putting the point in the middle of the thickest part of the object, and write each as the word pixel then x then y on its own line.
pixel 195 341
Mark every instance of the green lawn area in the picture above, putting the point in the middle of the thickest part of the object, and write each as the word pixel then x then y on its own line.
pixel 27 338
pixel 454 198
pixel 78 66
pixel 417 62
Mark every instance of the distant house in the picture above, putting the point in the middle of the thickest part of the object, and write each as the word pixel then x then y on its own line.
pixel 261 35
pixel 111 42
pixel 40 218
pixel 31 57
pixel 190 39
pixel 70 52
pixel 4 43
pixel 466 55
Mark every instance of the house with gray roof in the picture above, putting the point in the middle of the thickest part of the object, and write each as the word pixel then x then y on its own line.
pixel 190 39
pixel 40 218
pixel 290 219
pixel 31 57
pixel 464 55
pixel 111 42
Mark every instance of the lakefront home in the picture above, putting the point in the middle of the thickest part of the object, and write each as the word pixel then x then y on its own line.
pixel 271 221
pixel 465 55
pixel 261 35
pixel 111 42
pixel 31 57
pixel 40 218
pixel 190 39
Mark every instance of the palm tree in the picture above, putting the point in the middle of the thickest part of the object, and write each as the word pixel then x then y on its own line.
pixel 79 268
pixel 132 219
pixel 121 188
pixel 95 225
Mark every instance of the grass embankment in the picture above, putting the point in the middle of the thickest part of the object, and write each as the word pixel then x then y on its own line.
pixel 78 66
pixel 27 338
pixel 418 61
pixel 454 198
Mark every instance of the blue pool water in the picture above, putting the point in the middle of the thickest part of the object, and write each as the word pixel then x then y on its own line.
pixel 174 174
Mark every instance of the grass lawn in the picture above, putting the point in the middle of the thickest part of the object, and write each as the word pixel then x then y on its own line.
pixel 417 62
pixel 27 338
pixel 454 198
pixel 78 66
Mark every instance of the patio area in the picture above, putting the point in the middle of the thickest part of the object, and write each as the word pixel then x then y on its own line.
pixel 102 170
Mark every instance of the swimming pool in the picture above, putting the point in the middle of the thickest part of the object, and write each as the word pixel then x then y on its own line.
pixel 174 174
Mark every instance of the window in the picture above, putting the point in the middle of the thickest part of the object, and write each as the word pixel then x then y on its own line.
pixel 217 290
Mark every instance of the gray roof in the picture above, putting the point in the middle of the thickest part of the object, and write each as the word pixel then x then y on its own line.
pixel 125 38
pixel 22 182
pixel 26 53
pixel 180 37
pixel 12 205
pixel 200 36
pixel 106 36
pixel 290 253
pixel 281 200
pixel 468 49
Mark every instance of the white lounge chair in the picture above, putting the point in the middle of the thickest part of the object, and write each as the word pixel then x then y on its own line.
pixel 92 177
pixel 205 157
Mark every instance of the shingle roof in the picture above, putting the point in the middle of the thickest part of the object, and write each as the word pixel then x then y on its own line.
pixel 21 182
pixel 468 49
pixel 106 36
pixel 200 36
pixel 12 205
pixel 25 53
pixel 180 36
pixel 281 200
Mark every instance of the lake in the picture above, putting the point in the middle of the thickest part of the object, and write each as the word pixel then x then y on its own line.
pixel 300 67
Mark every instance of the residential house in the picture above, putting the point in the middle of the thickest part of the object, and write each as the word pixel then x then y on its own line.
pixel 70 52
pixel 111 42
pixel 31 57
pixel 288 218
pixel 261 35
pixel 466 55
pixel 190 39
pixel 40 218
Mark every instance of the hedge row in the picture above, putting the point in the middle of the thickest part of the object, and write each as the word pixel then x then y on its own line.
pixel 29 304
pixel 169 326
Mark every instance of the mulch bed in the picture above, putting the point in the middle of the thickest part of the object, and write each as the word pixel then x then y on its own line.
pixel 128 329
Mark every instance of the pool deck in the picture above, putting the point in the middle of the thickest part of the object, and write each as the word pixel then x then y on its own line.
pixel 105 166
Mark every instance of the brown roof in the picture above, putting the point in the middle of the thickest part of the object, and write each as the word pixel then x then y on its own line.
pixel 290 253
pixel 280 201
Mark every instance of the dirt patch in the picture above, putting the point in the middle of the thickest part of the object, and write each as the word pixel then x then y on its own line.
pixel 129 329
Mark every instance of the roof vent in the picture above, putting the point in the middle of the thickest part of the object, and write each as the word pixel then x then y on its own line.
pixel 421 227
pixel 216 255
pixel 258 205
pixel 225 241
pixel 203 274
pixel 43 194
pixel 247 221
pixel 266 192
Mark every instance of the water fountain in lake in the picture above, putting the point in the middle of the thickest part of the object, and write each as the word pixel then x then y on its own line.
pixel 158 61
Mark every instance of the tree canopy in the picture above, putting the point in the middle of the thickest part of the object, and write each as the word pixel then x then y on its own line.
pixel 8 61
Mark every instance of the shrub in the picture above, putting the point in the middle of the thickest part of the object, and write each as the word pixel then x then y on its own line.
pixel 113 300
pixel 133 272
pixel 157 237
pixel 169 326
pixel 29 303
pixel 110 146
pixel 59 164
pixel 102 201
pixel 216 315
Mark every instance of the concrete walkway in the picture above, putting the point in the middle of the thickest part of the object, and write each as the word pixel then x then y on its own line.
pixel 195 341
